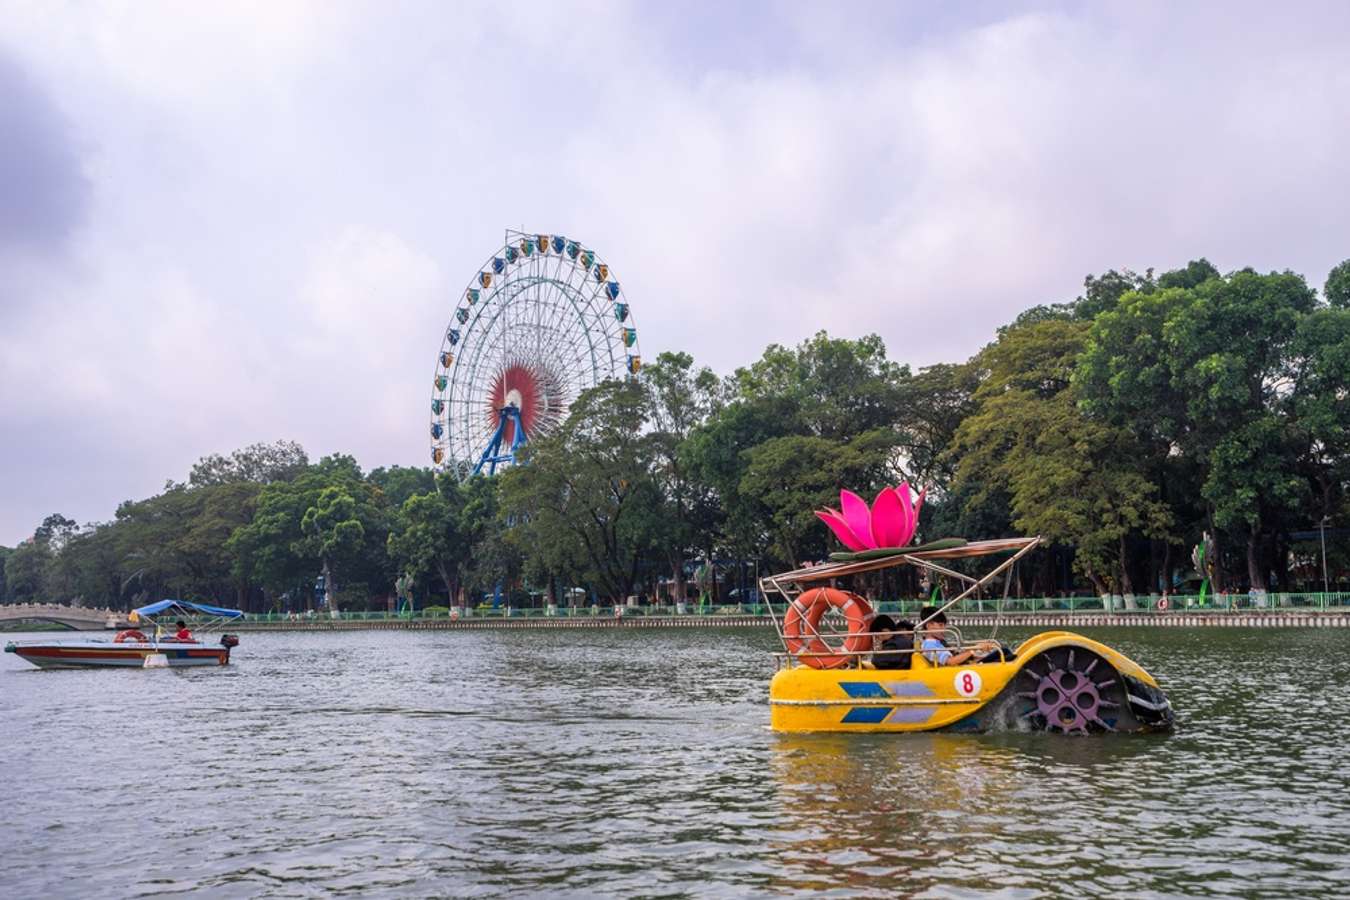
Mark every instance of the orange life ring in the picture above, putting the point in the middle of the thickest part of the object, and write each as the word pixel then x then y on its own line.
pixel 124 637
pixel 802 621
pixel 1163 603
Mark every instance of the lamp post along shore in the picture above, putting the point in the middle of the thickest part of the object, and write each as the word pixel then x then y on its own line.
pixel 1322 527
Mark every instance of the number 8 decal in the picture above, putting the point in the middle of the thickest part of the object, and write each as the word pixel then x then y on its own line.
pixel 968 682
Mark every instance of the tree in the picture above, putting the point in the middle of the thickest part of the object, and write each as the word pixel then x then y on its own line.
pixel 586 493
pixel 89 568
pixel 172 544
pixel 333 533
pixel 425 539
pixel 1073 480
pixel 327 520
pixel 54 531
pixel 1103 292
pixel 679 399
pixel 493 548
pixel 259 463
pixel 713 456
pixel 26 571
pixel 1337 288
pixel 398 483
pixel 1230 358
pixel 835 389
pixel 791 477
pixel 1202 371
pixel 1196 273
pixel 934 403
pixel 29 575
pixel 1319 405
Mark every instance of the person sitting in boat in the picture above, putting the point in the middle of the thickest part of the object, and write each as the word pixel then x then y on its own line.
pixel 183 633
pixel 893 645
pixel 937 652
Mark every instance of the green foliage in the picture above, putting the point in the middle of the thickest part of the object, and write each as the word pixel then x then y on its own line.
pixel 174 544
pixel 1119 425
pixel 424 538
pixel 587 505
pixel 1103 292
pixel 26 572
pixel 398 483
pixel 678 399
pixel 933 405
pixel 327 519
pixel 260 463
pixel 1337 288
pixel 446 532
pixel 1318 428
pixel 1214 371
pixel 831 387
pixel 31 572
pixel 790 477
pixel 1196 273
pixel 1070 478
pixel 827 388
pixel 1125 372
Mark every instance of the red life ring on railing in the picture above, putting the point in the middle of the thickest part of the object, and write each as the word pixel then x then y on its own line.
pixel 1163 603
pixel 802 621
pixel 126 637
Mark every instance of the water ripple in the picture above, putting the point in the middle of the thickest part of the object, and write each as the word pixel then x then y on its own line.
pixel 618 763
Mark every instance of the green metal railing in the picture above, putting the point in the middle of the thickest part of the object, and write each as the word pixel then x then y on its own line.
pixel 483 612
pixel 1143 604
pixel 1140 605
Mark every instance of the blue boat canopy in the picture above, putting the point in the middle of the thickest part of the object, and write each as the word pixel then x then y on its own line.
pixel 155 609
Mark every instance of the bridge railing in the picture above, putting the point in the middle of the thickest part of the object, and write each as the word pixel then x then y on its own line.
pixel 18 610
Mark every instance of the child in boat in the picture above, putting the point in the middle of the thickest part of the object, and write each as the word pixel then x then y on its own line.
pixel 937 653
pixel 183 633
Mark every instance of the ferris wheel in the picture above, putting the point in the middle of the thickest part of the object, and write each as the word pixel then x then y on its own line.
pixel 543 320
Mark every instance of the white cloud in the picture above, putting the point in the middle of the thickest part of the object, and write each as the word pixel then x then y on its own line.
pixel 367 299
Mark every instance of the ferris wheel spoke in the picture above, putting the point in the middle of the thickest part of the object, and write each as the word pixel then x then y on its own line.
pixel 555 314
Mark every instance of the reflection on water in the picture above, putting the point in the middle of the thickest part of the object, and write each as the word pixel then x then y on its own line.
pixel 622 763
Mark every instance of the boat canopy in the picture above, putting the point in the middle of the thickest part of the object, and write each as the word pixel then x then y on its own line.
pixel 155 609
pixel 900 556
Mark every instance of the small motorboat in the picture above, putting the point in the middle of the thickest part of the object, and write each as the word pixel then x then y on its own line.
pixel 139 649
pixel 829 677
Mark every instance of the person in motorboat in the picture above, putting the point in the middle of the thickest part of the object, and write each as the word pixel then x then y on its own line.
pixel 937 652
pixel 164 646
pixel 893 645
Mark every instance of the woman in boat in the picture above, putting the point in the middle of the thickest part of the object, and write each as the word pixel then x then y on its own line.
pixel 893 645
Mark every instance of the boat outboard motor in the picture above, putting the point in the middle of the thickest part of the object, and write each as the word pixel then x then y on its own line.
pixel 229 640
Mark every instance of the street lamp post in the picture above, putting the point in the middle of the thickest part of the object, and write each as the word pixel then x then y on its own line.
pixel 1322 526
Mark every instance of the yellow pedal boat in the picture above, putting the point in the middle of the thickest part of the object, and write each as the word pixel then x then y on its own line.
pixel 1055 681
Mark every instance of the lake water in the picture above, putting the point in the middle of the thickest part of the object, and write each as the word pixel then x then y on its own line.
pixel 583 763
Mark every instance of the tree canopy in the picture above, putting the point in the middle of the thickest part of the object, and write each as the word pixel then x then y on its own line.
pixel 1120 424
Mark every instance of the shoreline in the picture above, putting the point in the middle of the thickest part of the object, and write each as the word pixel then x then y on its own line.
pixel 1012 620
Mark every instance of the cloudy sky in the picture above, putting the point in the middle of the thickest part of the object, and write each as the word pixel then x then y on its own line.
pixel 223 223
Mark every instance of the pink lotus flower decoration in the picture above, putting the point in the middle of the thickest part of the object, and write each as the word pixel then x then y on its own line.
pixel 889 523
